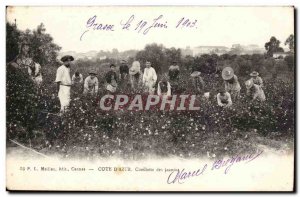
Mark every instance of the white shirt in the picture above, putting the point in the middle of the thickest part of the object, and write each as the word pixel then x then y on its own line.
pixel 91 84
pixel 226 98
pixel 149 75
pixel 63 75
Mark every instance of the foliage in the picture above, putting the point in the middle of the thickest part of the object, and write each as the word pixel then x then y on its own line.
pixel 12 37
pixel 87 131
pixel 41 46
pixel 290 60
pixel 21 102
pixel 90 132
pixel 290 41
pixel 159 56
pixel 273 46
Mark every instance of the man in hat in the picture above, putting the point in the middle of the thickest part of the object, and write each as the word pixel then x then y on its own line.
pixel 136 75
pixel 256 79
pixel 124 70
pixel 63 80
pixel 255 91
pixel 198 81
pixel 174 71
pixel 224 98
pixel 91 84
pixel 149 78
pixel 164 87
pixel 34 71
pixel 231 82
pixel 111 79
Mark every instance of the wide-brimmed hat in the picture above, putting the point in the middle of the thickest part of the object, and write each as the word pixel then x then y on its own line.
pixel 135 68
pixel 93 71
pixel 195 74
pixel 227 73
pixel 249 84
pixel 254 74
pixel 67 58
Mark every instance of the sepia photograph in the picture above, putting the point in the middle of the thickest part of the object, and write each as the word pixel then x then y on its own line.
pixel 150 98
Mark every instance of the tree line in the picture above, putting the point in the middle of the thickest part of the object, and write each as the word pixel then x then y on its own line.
pixel 43 50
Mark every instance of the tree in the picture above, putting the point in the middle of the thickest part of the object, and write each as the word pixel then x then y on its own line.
pixel 257 62
pixel 206 63
pixel 273 46
pixel 188 62
pixel 42 49
pixel 12 46
pixel 155 54
pixel 173 54
pixel 290 41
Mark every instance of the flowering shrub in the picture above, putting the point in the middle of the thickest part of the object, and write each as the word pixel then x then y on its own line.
pixel 87 131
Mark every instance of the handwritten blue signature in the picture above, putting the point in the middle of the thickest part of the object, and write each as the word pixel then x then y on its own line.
pixel 137 25
pixel 180 176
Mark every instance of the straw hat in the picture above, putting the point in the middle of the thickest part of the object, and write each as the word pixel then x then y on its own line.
pixel 67 58
pixel 135 68
pixel 227 73
pixel 254 74
pixel 195 74
pixel 249 84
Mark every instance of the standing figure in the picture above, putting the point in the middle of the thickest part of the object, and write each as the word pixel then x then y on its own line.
pixel 232 84
pixel 77 83
pixel 136 75
pixel 20 60
pixel 149 78
pixel 198 82
pixel 91 84
pixel 256 79
pixel 255 91
pixel 174 71
pixel 124 70
pixel 174 76
pixel 111 79
pixel 63 80
pixel 224 98
pixel 34 71
pixel 164 87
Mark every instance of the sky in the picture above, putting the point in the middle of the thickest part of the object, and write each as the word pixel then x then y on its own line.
pixel 201 26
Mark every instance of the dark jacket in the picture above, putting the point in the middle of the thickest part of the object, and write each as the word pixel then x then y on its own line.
pixel 124 69
pixel 109 75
